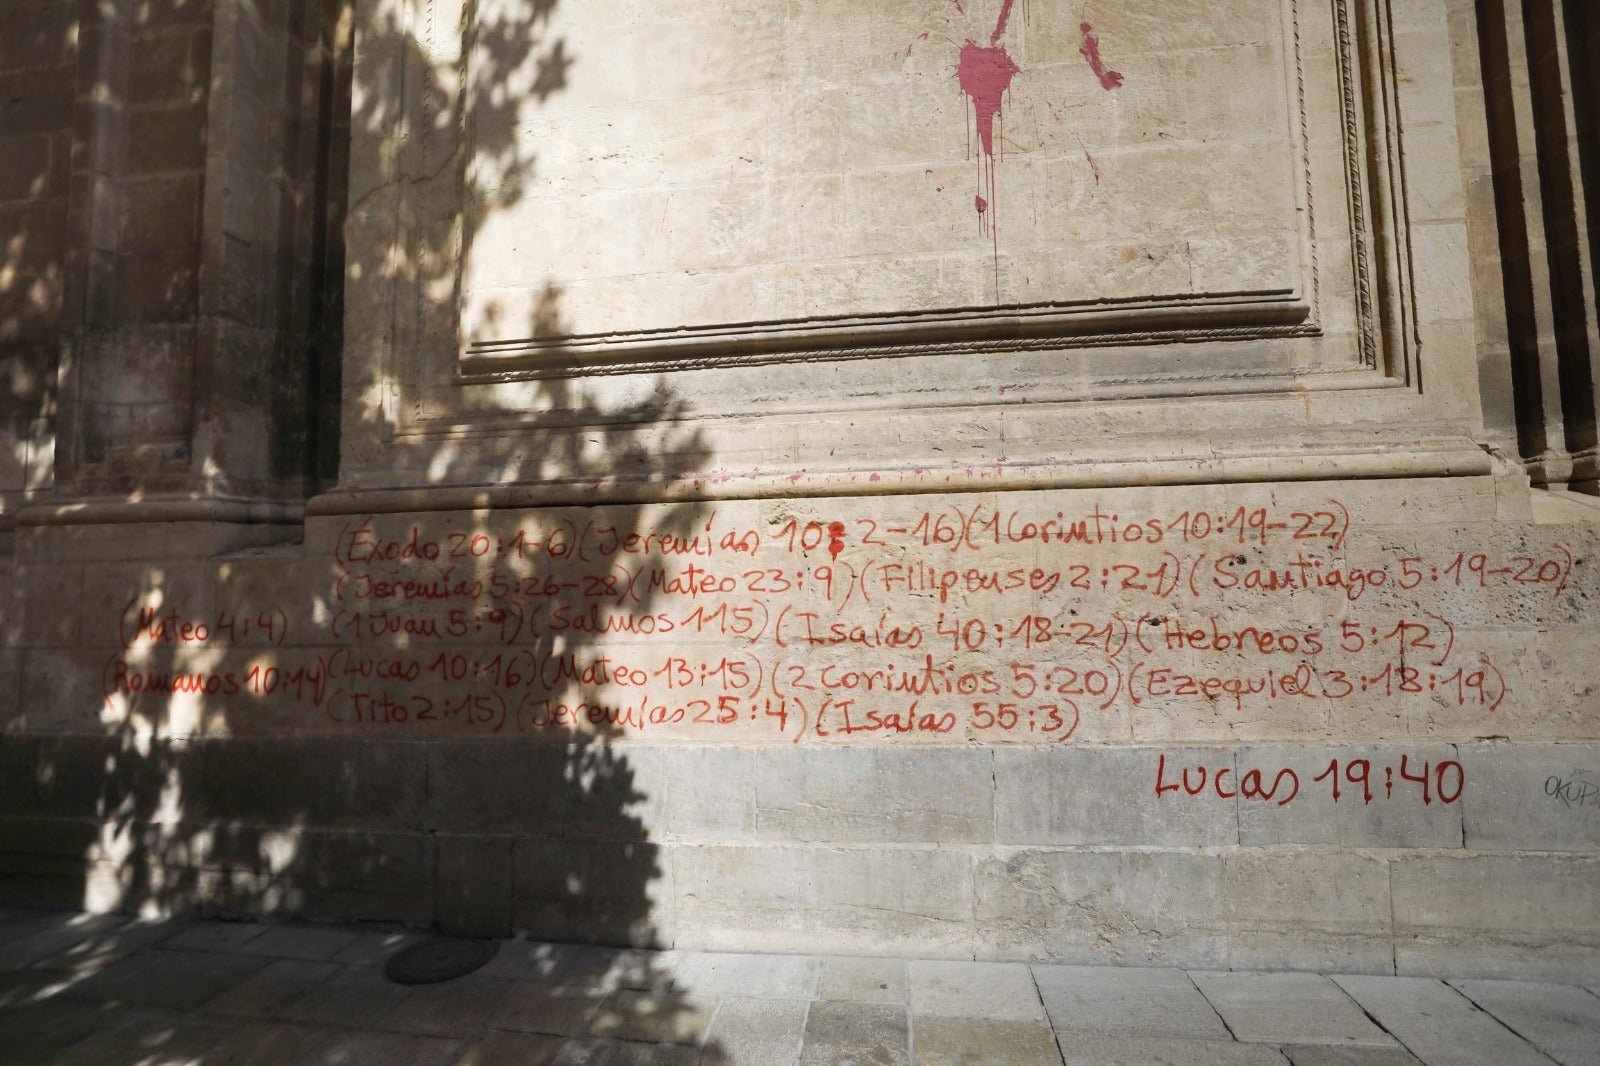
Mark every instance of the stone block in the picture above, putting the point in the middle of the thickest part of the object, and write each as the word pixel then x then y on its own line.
pixel 654 1017
pixel 28 177
pixel 1062 796
pixel 759 1032
pixel 170 980
pixel 1139 908
pixel 334 782
pixel 373 876
pixel 863 980
pixel 474 891
pixel 17 754
pixel 304 943
pixel 593 892
pixel 162 214
pixel 384 1049
pixel 806 898
pixel 1535 797
pixel 531 960
pixel 711 793
pixel 1559 1020
pixel 583 791
pixel 143 606
pixel 57 938
pixel 624 1053
pixel 166 138
pixel 353 996
pixel 942 1041
pixel 43 1031
pixel 1279 1008
pixel 49 603
pixel 495 1048
pixel 171 68
pixel 456 1008
pixel 862 795
pixel 739 974
pixel 1395 817
pixel 1154 1002
pixel 838 1032
pixel 1311 910
pixel 1002 991
pixel 264 993
pixel 535 1007
pixel 1528 916
pixel 216 936
pixel 62 692
pixel 1438 1024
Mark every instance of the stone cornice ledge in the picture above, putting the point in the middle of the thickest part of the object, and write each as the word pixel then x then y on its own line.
pixel 1454 457
pixel 103 510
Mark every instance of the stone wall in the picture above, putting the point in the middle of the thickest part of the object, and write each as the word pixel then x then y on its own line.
pixel 1142 531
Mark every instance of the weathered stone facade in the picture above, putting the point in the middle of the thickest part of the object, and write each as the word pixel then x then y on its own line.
pixel 1005 480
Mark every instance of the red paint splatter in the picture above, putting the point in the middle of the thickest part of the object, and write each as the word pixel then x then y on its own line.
pixel 1090 50
pixel 985 75
pixel 1000 26
pixel 835 539
pixel 923 36
pixel 1092 167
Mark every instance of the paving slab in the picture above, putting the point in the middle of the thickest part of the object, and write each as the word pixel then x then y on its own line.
pixel 175 980
pixel 956 989
pixel 31 987
pixel 844 1034
pixel 55 937
pixel 43 1029
pixel 611 969
pixel 17 928
pixel 955 1041
pixel 1328 1055
pixel 757 1031
pixel 1101 1049
pixel 100 949
pixel 1437 1024
pixel 1127 1002
pixel 216 936
pixel 654 1017
pixel 596 1052
pixel 265 1043
pixel 1560 1020
pixel 714 973
pixel 266 991
pixel 523 960
pixel 863 979
pixel 1279 1008
pixel 147 1040
pixel 533 1007
pixel 353 995
pixel 496 1048
pixel 376 948
pixel 382 1049
pixel 456 1008
pixel 312 943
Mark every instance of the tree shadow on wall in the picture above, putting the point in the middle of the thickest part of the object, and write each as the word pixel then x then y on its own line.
pixel 425 737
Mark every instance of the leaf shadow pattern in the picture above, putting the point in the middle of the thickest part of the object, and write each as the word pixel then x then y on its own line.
pixel 271 768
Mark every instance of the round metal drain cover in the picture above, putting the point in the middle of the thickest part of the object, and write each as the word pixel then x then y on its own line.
pixel 439 959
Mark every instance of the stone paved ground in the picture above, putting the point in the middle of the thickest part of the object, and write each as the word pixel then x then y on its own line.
pixel 78 990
